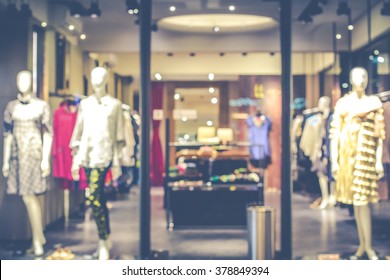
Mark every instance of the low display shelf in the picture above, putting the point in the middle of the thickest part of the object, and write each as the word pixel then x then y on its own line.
pixel 205 205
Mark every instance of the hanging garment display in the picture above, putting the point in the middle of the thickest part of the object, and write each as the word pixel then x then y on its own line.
pixel 258 137
pixel 64 121
pixel 26 120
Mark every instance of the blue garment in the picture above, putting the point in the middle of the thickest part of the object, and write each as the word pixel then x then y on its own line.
pixel 258 135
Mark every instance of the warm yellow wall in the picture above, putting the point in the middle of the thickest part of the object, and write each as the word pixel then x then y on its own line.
pixel 181 66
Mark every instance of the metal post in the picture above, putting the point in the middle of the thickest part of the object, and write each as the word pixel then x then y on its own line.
pixel 145 50
pixel 285 40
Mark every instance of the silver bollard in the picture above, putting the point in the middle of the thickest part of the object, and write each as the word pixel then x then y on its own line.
pixel 261 232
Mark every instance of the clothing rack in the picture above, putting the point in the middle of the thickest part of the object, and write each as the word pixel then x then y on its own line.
pixel 65 95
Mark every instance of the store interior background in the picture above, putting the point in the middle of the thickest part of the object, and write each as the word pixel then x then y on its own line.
pixel 245 63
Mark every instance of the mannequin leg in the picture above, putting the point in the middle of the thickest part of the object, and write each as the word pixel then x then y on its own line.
pixel 365 216
pixel 66 205
pixel 97 201
pixel 332 196
pixel 324 191
pixel 35 216
pixel 361 249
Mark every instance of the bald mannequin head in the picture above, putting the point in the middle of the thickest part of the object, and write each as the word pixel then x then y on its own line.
pixel 24 82
pixel 359 79
pixel 99 78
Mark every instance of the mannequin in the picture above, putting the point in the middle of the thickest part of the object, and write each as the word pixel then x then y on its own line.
pixel 313 145
pixel 96 141
pixel 356 154
pixel 27 151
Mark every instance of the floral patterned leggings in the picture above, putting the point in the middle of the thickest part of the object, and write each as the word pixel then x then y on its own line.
pixel 97 199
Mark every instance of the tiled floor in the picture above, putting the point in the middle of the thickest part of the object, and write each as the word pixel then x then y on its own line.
pixel 326 231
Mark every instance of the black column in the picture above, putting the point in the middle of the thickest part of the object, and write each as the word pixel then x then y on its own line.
pixel 285 40
pixel 145 50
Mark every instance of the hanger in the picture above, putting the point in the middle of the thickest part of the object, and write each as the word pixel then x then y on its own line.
pixel 384 96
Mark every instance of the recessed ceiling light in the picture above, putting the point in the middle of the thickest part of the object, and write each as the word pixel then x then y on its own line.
pixel 209 123
pixel 211 90
pixel 350 27
pixel 158 76
pixel 344 85
pixel 177 96
pixel 83 36
pixel 71 27
pixel 232 8
pixel 376 52
pixel 184 119
pixel 211 76
pixel 216 28
pixel 172 8
pixel 381 59
pixel 338 36
pixel 44 24
pixel 214 100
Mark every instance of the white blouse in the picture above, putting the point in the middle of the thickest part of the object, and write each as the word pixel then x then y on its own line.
pixel 98 134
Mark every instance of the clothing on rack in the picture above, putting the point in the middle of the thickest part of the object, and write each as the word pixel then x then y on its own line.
pixel 64 121
pixel 127 157
pixel 258 135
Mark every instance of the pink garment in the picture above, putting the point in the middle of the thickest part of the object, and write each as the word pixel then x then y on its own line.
pixel 63 123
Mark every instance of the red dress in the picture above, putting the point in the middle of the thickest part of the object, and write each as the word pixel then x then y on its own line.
pixel 63 123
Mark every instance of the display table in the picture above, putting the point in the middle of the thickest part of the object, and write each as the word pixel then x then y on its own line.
pixel 205 205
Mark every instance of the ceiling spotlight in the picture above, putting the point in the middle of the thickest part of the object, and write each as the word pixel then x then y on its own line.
pixel 381 59
pixel 216 28
pixel 71 27
pixel 44 24
pixel 314 8
pixel 83 36
pixel 172 8
pixel 232 8
pixel 214 100
pixel 345 85
pixel 209 123
pixel 76 9
pixel 154 26
pixel 350 27
pixel 338 36
pixel 343 9
pixel 305 19
pixel 132 7
pixel 376 52
pixel 211 90
pixel 11 7
pixel 94 11
pixel 211 76
pixel 184 119
pixel 158 76
pixel 385 11
pixel 25 9
pixel 177 96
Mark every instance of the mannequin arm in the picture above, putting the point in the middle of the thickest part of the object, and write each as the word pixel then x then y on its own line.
pixel 8 139
pixel 46 153
pixel 379 164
